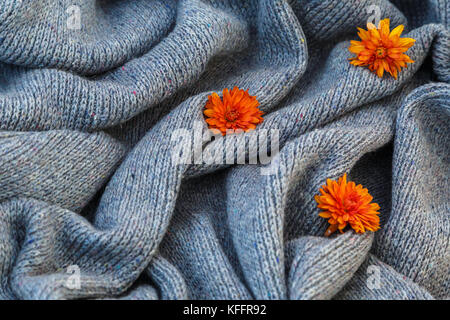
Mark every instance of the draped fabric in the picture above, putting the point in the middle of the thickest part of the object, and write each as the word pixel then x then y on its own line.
pixel 94 93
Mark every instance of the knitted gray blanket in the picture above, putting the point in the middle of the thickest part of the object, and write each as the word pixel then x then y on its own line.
pixel 113 185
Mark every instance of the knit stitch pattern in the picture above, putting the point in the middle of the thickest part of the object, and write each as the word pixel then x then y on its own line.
pixel 87 117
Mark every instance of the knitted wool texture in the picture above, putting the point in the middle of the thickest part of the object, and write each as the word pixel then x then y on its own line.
pixel 86 178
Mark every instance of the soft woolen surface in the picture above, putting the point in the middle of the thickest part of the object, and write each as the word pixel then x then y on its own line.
pixel 86 177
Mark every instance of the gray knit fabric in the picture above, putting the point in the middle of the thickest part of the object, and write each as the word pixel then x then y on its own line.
pixel 89 191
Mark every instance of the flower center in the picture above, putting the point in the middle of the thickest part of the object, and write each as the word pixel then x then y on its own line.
pixel 231 115
pixel 380 52
pixel 351 203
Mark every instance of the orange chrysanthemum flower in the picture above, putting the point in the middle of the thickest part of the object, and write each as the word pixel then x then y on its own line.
pixel 238 110
pixel 380 49
pixel 346 203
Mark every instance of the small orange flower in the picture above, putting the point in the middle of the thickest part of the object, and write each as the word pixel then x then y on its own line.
pixel 380 49
pixel 239 110
pixel 345 203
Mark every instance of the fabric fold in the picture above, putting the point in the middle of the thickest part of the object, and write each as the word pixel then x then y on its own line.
pixel 112 186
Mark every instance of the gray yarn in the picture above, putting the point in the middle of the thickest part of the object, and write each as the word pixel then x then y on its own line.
pixel 86 177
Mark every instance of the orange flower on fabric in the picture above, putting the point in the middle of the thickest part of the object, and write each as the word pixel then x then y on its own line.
pixel 345 203
pixel 380 49
pixel 238 110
